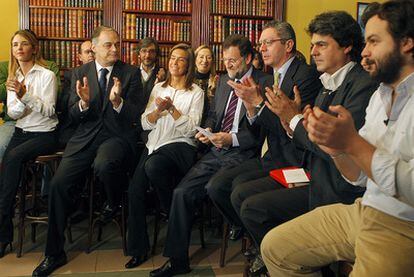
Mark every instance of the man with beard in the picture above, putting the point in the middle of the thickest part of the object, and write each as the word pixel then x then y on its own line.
pixel 376 231
pixel 233 141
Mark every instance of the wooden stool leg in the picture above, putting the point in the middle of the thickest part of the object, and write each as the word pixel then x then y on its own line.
pixel 156 230
pixel 22 207
pixel 90 221
pixel 224 242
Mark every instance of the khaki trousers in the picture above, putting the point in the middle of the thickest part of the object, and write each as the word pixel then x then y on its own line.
pixel 379 244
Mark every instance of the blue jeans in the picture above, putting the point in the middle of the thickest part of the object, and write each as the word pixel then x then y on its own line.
pixel 6 132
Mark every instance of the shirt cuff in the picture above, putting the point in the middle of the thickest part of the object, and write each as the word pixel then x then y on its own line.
pixel 383 168
pixel 80 107
pixel 118 110
pixel 25 99
pixel 294 121
pixel 235 141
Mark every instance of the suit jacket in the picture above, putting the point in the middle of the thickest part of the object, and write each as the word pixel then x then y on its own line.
pixel 282 151
pixel 100 114
pixel 66 126
pixel 248 137
pixel 327 185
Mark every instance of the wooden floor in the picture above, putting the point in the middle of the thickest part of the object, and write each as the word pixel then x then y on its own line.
pixel 107 258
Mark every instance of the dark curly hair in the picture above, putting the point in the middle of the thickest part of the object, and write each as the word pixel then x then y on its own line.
pixel 342 27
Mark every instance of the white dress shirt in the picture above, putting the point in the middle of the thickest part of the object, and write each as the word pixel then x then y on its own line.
pixel 35 111
pixel 330 82
pixel 166 130
pixel 144 74
pixel 392 188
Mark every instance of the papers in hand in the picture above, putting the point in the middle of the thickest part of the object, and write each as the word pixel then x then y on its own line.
pixel 295 177
pixel 205 132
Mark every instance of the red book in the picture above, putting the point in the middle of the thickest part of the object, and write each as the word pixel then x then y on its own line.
pixel 278 176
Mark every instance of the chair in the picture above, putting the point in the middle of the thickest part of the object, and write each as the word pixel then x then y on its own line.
pixel 246 242
pixel 30 190
pixel 95 200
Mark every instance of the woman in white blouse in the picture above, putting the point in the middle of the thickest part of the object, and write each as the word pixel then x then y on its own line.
pixel 31 100
pixel 174 110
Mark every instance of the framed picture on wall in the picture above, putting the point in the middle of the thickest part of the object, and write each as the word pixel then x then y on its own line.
pixel 361 6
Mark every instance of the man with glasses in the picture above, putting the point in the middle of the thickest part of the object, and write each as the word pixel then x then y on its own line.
pixel 232 141
pixel 151 72
pixel 106 101
pixel 278 48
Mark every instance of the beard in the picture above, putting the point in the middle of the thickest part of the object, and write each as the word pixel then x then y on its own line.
pixel 388 68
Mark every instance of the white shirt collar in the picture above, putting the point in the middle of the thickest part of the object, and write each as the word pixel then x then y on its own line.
pixel 19 73
pixel 283 69
pixel 99 67
pixel 334 81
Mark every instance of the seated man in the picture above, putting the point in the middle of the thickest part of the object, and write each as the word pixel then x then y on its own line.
pixel 264 204
pixel 376 232
pixel 233 142
pixel 106 101
pixel 278 46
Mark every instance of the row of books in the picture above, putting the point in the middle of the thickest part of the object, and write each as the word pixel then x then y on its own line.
pixel 130 54
pixel 158 5
pixel 68 3
pixel 64 23
pixel 162 29
pixel 64 53
pixel 221 27
pixel 218 55
pixel 246 7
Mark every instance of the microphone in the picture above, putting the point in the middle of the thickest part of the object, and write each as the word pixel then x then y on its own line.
pixel 386 121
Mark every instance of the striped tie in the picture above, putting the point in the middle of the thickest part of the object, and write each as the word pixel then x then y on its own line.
pixel 231 111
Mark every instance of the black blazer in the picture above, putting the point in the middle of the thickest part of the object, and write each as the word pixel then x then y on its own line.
pixel 66 126
pixel 101 113
pixel 327 185
pixel 282 151
pixel 148 85
pixel 248 137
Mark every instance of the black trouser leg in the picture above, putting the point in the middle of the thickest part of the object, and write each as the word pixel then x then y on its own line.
pixel 23 147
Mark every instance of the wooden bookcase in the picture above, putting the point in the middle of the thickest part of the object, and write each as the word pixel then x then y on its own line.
pixel 194 22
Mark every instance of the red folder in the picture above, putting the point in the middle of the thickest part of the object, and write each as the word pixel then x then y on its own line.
pixel 277 175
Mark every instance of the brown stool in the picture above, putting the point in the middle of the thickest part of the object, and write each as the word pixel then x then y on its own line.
pixel 29 190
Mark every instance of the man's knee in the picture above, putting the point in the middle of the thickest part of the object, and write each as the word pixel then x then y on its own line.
pixel 102 167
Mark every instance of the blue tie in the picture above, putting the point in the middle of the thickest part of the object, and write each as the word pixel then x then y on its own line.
pixel 102 81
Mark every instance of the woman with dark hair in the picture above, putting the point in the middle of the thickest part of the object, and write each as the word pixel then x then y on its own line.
pixel 173 111
pixel 31 100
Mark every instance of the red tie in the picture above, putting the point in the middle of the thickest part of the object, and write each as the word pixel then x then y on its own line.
pixel 229 116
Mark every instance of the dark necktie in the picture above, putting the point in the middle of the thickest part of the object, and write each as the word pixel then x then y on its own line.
pixel 102 81
pixel 327 97
pixel 230 113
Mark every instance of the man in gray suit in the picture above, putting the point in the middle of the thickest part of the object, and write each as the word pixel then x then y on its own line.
pixel 233 141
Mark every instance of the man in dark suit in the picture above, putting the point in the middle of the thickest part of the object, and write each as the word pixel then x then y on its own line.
pixel 278 48
pixel 106 102
pixel 233 142
pixel 336 48
pixel 66 128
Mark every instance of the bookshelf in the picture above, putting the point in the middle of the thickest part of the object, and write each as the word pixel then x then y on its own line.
pixel 62 25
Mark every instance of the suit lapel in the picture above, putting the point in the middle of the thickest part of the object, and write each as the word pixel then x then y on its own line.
pixel 287 83
pixel 116 72
pixel 221 103
pixel 94 90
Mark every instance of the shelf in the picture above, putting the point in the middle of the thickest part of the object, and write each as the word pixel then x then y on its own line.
pixel 66 8
pixel 63 38
pixel 242 16
pixel 158 12
pixel 159 41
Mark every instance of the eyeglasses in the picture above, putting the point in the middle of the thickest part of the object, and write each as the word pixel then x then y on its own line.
pixel 230 60
pixel 269 42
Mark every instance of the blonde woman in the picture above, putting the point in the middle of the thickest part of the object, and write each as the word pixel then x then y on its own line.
pixel 31 100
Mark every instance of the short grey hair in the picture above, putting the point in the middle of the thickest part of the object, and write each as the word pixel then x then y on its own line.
pixel 98 30
pixel 285 31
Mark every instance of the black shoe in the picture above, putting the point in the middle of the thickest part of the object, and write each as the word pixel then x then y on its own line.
pixel 258 267
pixel 3 247
pixel 170 269
pixel 136 261
pixel 50 264
pixel 236 232
pixel 108 213
pixel 250 253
